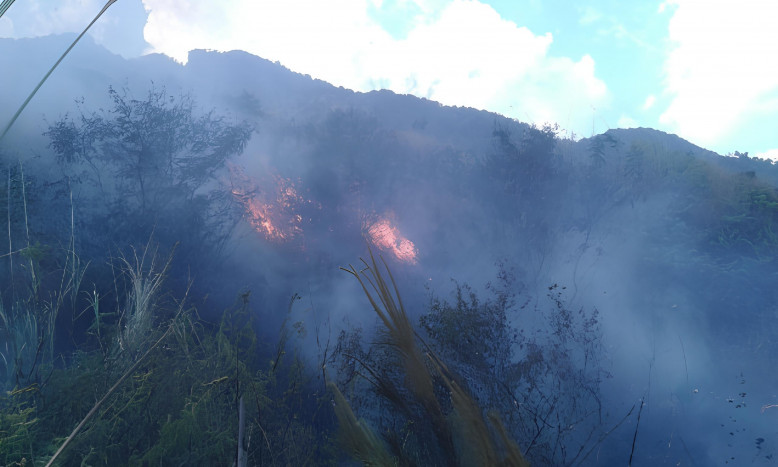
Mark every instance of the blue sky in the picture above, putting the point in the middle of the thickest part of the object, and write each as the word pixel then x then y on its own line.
pixel 706 70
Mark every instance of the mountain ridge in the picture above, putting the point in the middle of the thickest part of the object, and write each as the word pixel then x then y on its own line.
pixel 214 75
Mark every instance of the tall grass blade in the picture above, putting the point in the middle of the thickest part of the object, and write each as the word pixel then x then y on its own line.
pixel 5 6
pixel 46 76
pixel 478 445
pixel 359 439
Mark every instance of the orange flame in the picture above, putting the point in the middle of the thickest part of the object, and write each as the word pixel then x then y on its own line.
pixel 272 212
pixel 273 209
pixel 387 237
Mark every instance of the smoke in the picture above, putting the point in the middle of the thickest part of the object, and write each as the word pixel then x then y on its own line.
pixel 330 172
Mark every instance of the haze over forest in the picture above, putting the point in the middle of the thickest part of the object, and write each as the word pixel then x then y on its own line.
pixel 592 292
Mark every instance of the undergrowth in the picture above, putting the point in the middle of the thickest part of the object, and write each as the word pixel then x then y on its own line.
pixel 167 385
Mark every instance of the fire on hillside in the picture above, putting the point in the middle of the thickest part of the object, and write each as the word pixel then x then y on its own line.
pixel 274 208
pixel 387 237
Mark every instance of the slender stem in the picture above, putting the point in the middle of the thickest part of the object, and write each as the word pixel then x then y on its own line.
pixel 46 76
pixel 27 232
pixel 242 460
pixel 10 243
pixel 5 6
pixel 635 437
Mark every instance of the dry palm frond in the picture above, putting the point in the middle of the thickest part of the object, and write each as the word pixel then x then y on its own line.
pixel 383 385
pixel 401 334
pixel 513 455
pixel 478 443
pixel 388 305
pixel 358 438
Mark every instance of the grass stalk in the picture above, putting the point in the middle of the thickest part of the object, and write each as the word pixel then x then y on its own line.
pixel 145 283
pixel 478 442
pixel 51 70
pixel 10 241
pixel 5 6
pixel 356 437
pixel 635 437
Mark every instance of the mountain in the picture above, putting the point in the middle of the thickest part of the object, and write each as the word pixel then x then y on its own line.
pixel 634 249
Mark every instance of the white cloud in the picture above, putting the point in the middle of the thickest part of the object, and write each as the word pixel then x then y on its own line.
pixel 299 33
pixel 42 17
pixel 459 52
pixel 589 15
pixel 627 122
pixel 6 27
pixel 721 65
pixel 118 29
pixel 771 154
pixel 649 102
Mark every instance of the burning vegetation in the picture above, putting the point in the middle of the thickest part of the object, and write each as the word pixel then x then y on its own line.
pixel 274 208
pixel 387 237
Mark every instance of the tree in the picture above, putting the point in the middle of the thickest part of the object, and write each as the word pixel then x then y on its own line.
pixel 526 189
pixel 524 168
pixel 150 165
pixel 597 148
pixel 544 382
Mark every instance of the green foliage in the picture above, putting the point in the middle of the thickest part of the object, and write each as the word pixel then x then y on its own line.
pixel 650 168
pixel 179 404
pixel 22 342
pixel 35 252
pixel 748 226
pixel 27 325
pixel 525 185
pixel 734 215
pixel 17 424
pixel 526 166
pixel 168 388
pixel 469 324
pixel 598 148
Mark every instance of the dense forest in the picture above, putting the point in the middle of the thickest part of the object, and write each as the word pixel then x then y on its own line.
pixel 228 263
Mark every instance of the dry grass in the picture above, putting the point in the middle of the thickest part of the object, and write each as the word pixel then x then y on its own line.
pixel 145 276
pixel 476 443
pixel 357 437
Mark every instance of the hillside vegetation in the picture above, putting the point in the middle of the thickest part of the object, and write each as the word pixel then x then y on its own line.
pixel 171 291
